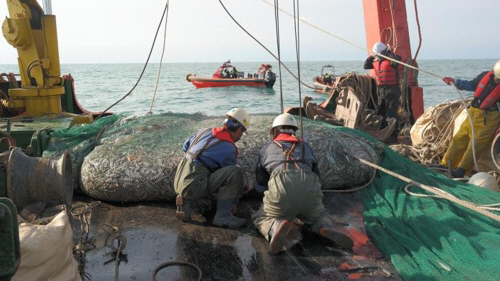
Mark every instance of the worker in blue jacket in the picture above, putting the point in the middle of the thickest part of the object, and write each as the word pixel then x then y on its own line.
pixel 209 168
pixel 485 113
pixel 288 174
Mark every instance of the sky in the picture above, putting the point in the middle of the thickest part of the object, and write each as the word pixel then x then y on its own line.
pixel 122 31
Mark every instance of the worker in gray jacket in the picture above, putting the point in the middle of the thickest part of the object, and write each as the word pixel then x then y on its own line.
pixel 288 174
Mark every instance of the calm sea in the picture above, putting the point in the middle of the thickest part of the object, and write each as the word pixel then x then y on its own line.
pixel 100 85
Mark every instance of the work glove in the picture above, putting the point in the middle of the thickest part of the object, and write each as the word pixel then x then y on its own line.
pixel 449 80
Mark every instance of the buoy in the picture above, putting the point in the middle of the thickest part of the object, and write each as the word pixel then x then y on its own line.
pixel 484 180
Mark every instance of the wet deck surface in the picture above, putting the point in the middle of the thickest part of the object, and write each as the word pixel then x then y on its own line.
pixel 154 236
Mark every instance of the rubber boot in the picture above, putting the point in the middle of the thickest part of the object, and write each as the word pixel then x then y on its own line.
pixel 224 217
pixel 278 234
pixel 184 208
pixel 437 166
pixel 339 238
pixel 458 173
pixel 293 236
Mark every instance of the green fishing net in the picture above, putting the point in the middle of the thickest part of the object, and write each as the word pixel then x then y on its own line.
pixel 430 238
pixel 133 158
pixel 79 141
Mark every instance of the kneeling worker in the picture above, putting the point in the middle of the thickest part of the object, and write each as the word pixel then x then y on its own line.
pixel 289 170
pixel 209 168
pixel 485 113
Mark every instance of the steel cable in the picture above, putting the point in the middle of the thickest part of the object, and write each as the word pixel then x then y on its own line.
pixel 161 60
pixel 262 45
pixel 402 63
pixel 145 65
pixel 277 24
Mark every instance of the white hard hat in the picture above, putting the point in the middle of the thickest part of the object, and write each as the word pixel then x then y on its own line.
pixel 378 48
pixel 496 69
pixel 240 115
pixel 485 180
pixel 285 119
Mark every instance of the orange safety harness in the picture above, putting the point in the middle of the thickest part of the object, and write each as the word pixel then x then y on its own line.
pixel 288 153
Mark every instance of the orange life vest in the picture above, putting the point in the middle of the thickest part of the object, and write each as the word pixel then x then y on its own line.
pixel 385 74
pixel 486 100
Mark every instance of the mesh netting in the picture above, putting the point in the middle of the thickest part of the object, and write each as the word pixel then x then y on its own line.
pixel 428 238
pixel 136 157
pixel 79 141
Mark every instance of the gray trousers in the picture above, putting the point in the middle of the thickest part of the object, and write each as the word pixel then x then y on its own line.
pixel 292 194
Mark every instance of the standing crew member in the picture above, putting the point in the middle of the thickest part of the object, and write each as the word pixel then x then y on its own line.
pixel 386 78
pixel 209 168
pixel 327 79
pixel 485 115
pixel 288 169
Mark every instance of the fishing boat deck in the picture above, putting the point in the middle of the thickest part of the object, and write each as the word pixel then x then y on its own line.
pixel 154 236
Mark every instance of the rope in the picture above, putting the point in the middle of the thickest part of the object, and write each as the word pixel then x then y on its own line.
pixel 143 69
pixel 354 188
pixel 394 33
pixel 491 207
pixel 399 62
pixel 265 48
pixel 419 31
pixel 440 193
pixel 84 244
pixel 170 263
pixel 117 251
pixel 277 24
pixel 473 135
pixel 297 50
pixel 433 145
pixel 161 60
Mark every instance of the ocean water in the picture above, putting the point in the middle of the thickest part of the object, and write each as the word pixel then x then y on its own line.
pixel 100 85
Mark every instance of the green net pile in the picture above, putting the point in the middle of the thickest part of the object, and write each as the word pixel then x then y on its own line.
pixel 429 238
pixel 134 158
pixel 79 141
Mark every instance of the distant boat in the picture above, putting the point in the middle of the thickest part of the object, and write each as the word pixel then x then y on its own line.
pixel 227 76
pixel 324 83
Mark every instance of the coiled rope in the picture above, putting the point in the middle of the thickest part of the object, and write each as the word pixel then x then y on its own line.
pixel 435 139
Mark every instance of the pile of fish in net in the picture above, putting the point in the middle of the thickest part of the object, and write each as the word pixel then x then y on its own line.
pixel 134 158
